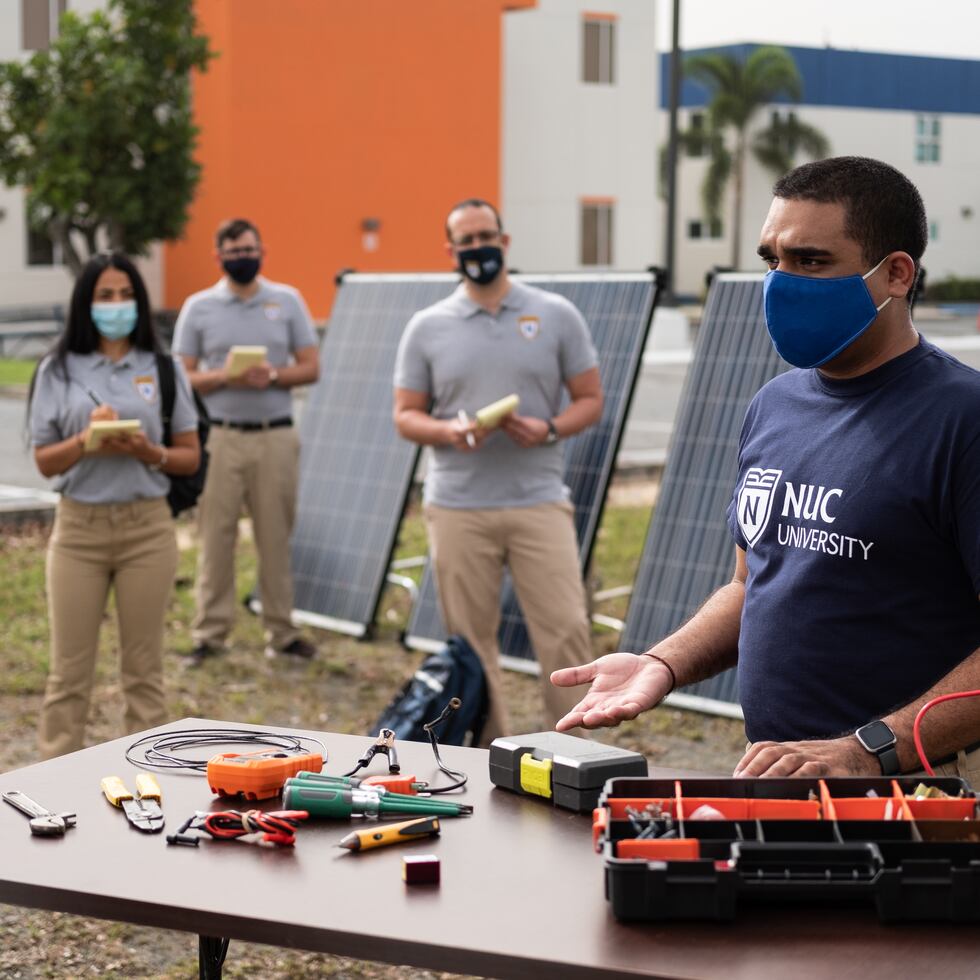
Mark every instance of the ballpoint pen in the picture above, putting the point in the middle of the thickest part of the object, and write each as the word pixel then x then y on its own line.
pixel 465 420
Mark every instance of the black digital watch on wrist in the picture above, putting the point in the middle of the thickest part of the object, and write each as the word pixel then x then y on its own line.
pixel 877 738
pixel 552 435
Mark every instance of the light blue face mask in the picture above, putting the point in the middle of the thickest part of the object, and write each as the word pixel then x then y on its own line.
pixel 810 321
pixel 114 320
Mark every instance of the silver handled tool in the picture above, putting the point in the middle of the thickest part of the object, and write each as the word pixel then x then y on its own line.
pixel 44 823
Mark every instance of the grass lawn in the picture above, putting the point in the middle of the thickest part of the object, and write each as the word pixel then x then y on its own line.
pixel 15 372
pixel 342 690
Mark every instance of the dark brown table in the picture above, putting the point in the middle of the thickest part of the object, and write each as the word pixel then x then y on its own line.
pixel 521 892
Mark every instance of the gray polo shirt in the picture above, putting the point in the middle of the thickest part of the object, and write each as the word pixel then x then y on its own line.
pixel 62 407
pixel 214 320
pixel 466 358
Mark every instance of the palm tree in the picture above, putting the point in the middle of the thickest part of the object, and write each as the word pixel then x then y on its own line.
pixel 739 90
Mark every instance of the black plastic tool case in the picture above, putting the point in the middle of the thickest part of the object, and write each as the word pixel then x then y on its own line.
pixel 783 840
pixel 568 770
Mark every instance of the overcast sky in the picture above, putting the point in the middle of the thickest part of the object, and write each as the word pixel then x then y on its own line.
pixel 949 28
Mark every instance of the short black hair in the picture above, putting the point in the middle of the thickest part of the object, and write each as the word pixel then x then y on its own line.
pixel 80 335
pixel 472 202
pixel 234 228
pixel 883 209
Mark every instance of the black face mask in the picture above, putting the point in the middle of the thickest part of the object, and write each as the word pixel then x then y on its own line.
pixel 242 270
pixel 481 265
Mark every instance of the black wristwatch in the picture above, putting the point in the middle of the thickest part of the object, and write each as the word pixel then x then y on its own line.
pixel 552 435
pixel 877 738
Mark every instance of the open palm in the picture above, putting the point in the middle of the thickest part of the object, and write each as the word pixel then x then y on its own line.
pixel 623 685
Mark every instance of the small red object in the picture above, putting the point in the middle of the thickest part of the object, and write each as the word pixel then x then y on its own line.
pixel 420 869
pixel 394 784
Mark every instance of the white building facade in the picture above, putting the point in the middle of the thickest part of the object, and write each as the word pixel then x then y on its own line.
pixel 580 136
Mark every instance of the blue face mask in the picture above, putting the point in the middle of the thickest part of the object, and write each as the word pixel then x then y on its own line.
pixel 811 320
pixel 114 320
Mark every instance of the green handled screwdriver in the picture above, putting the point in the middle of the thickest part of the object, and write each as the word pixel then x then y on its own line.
pixel 351 782
pixel 340 803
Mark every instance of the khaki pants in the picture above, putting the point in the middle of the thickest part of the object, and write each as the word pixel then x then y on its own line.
pixel 259 470
pixel 469 549
pixel 131 547
pixel 966 766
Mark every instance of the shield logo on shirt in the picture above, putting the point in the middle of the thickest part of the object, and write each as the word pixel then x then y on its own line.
pixel 529 326
pixel 272 311
pixel 755 501
pixel 147 387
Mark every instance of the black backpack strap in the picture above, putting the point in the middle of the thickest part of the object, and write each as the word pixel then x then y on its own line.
pixel 168 393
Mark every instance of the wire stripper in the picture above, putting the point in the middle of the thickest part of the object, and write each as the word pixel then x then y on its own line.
pixel 143 810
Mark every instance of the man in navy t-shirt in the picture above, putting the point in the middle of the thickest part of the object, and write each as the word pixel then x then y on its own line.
pixel 856 513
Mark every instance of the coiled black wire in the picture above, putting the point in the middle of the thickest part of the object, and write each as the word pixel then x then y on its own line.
pixel 159 751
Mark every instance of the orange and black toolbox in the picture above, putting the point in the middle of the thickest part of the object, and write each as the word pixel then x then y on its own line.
pixel 700 848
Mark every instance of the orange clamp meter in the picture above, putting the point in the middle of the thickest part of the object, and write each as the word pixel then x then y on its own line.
pixel 258 775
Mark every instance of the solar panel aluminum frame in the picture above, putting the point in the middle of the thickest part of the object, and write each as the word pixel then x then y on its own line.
pixel 512 634
pixel 688 552
pixel 314 553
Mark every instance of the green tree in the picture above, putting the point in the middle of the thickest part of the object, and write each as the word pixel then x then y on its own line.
pixel 99 129
pixel 739 90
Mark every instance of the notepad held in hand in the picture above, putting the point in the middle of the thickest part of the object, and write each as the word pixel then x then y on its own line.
pixel 243 358
pixel 103 428
pixel 493 414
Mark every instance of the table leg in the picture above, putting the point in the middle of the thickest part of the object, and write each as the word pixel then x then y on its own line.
pixel 211 953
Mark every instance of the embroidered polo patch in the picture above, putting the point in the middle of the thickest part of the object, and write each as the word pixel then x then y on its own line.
pixel 272 311
pixel 146 385
pixel 529 326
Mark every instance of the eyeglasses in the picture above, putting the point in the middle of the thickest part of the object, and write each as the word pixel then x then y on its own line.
pixel 481 237
pixel 246 252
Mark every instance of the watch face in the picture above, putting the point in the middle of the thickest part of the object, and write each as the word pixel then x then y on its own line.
pixel 875 736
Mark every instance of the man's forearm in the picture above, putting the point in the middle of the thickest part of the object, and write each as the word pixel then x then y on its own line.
pixel 421 428
pixel 948 727
pixel 579 415
pixel 292 375
pixel 204 382
pixel 707 643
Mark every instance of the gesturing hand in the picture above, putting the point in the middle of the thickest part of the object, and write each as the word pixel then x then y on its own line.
pixel 623 685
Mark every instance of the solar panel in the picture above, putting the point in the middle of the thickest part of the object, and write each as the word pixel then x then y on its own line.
pixel 355 470
pixel 689 551
pixel 618 309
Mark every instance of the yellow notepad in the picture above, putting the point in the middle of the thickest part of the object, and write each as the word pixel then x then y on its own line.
pixel 97 431
pixel 243 358
pixel 490 416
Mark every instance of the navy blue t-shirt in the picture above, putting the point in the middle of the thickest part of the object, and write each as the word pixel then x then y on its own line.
pixel 858 504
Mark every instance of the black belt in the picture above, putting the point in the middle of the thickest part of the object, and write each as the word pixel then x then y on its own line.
pixel 281 423
pixel 952 758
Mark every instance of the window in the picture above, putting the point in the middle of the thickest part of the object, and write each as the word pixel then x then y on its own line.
pixel 597 232
pixel 927 134
pixel 41 250
pixel 39 22
pixel 697 135
pixel 704 229
pixel 599 49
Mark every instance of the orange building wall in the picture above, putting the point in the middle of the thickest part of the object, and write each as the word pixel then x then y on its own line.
pixel 318 114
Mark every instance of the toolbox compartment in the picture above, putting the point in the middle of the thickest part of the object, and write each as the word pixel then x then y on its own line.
pixel 805 840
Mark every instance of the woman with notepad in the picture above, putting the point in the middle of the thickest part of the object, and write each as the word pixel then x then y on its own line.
pixel 96 427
